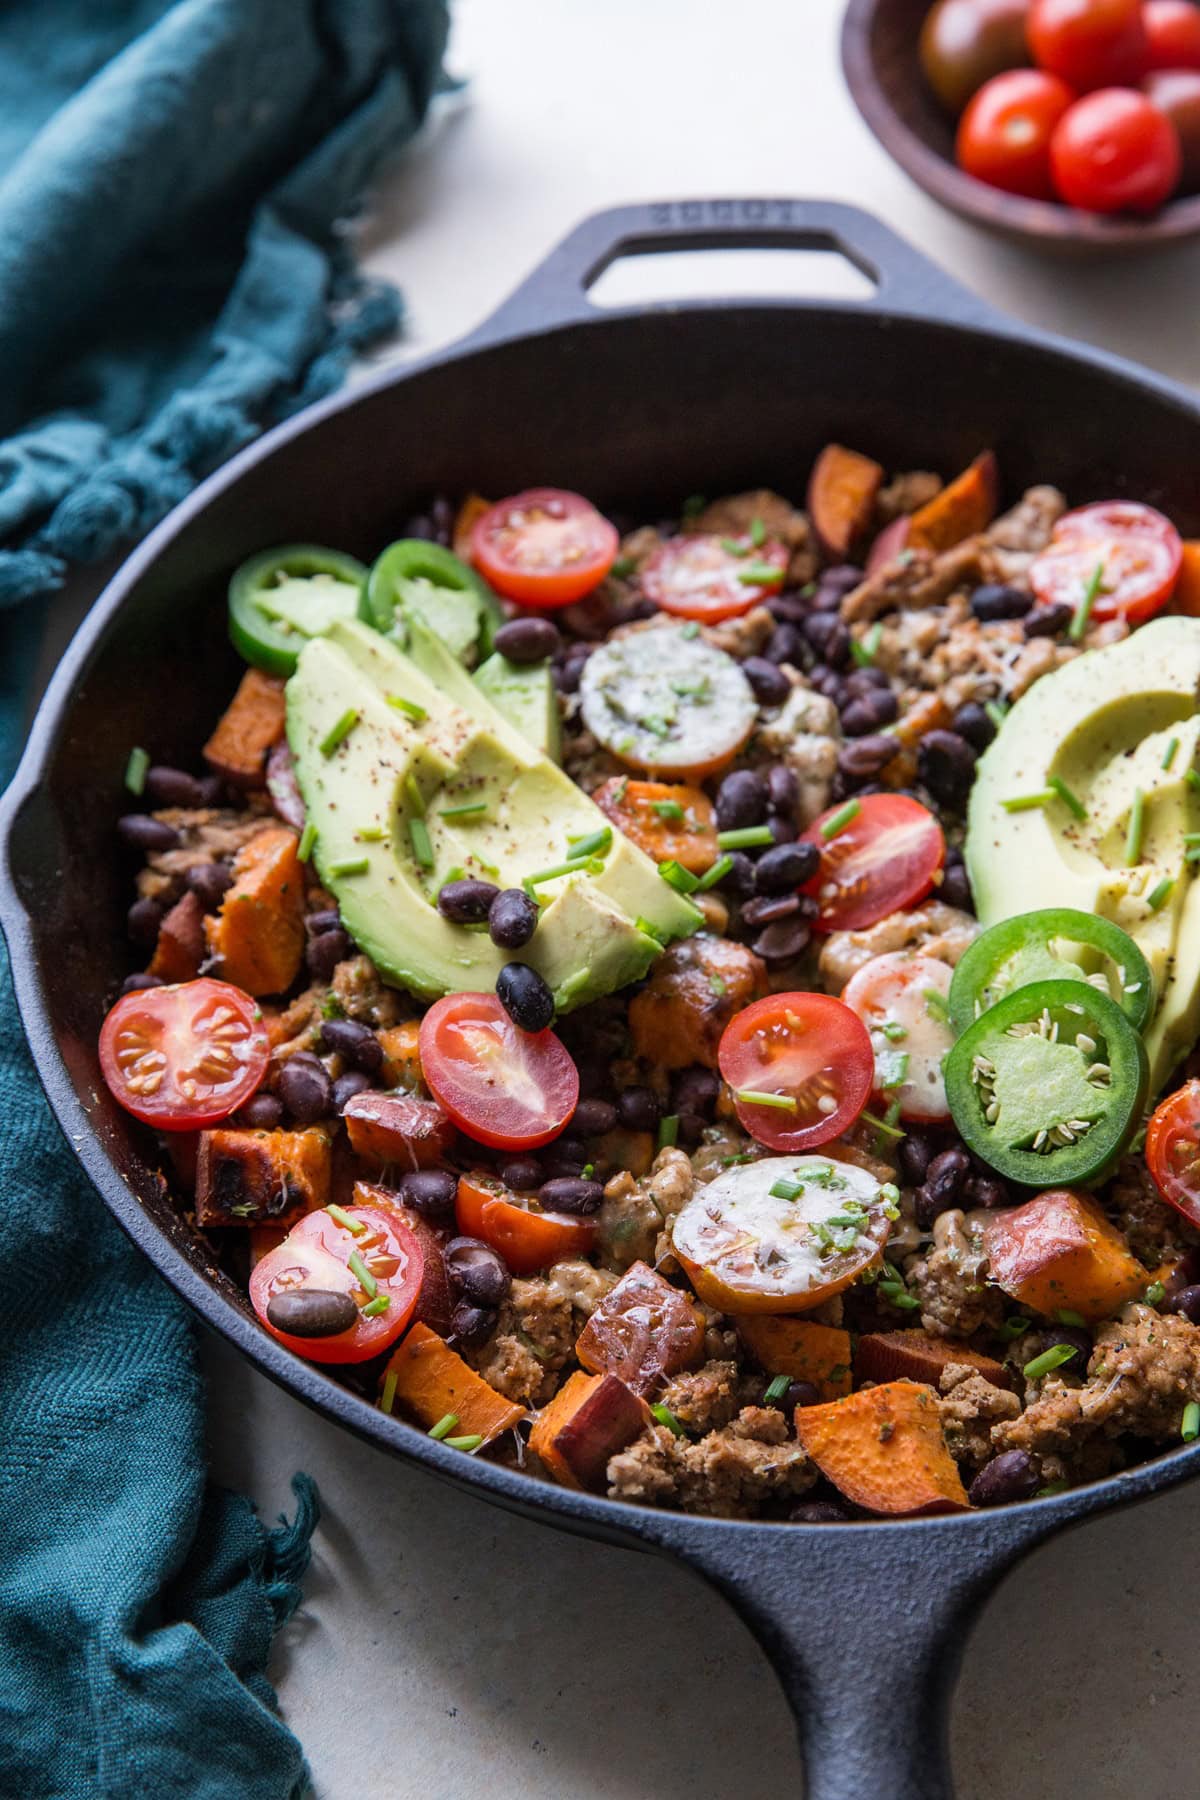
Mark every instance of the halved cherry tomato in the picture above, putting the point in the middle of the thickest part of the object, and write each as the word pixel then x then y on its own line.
pixel 545 547
pixel 183 1057
pixel 316 1254
pixel 1115 152
pixel 901 999
pixel 1172 30
pixel 1136 551
pixel 1004 135
pixel 1090 43
pixel 670 821
pixel 809 1052
pixel 1173 1150
pixel 528 1240
pixel 883 858
pixel 713 578
pixel 503 1086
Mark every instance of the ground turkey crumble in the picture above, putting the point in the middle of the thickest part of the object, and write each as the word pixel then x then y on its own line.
pixel 533 1340
pixel 635 1214
pixel 729 1472
pixel 950 1281
pixel 970 1406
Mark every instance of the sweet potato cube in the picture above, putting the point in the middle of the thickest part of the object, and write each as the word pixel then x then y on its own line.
pixel 919 1356
pixel 398 1130
pixel 589 1419
pixel 434 1303
pixel 884 1449
pixel 401 1058
pixel 259 1177
pixel 841 496
pixel 253 721
pixel 258 934
pixel 642 1330
pixel 1059 1251
pixel 1187 588
pixel 966 506
pixel 799 1349
pixel 180 947
pixel 432 1380
pixel 888 545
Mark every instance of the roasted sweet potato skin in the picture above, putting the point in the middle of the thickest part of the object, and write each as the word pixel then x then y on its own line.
pixel 643 1330
pixel 1059 1251
pixel 967 505
pixel 694 990
pixel 401 1057
pixel 841 496
pixel 251 724
pixel 432 1380
pixel 1187 588
pixel 919 1356
pixel 258 935
pixel 800 1349
pixel 589 1419
pixel 398 1130
pixel 261 1177
pixel 884 1449
pixel 180 947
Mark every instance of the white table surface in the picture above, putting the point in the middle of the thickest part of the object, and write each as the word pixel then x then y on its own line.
pixel 445 1648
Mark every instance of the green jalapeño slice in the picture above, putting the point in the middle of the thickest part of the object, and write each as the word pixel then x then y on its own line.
pixel 1048 1086
pixel 415 576
pixel 281 598
pixel 1059 944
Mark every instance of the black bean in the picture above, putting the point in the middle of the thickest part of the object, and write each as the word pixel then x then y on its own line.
pixel 354 1081
pixel 830 638
pixel 785 645
pixel 137 984
pixel 695 1090
pixel 172 787
pixel 212 790
pixel 142 922
pixel 782 942
pixel 1048 621
pixel 466 902
pixel 593 1118
pixel 476 1271
pixel 946 1174
pixel 145 833
pixel 739 882
pixel 442 514
pixel 783 830
pixel 325 952
pixel 1013 1475
pixel 571 1194
pixel 522 1174
pixel 262 1112
pixel 525 997
pixel 914 1153
pixel 420 525
pixel 472 1324
pixel 528 640
pixel 512 919
pixel 305 1088
pixel 992 602
pixel 1075 1336
pixel 209 882
pixel 1185 1302
pixel 770 685
pixel 865 681
pixel 973 722
pixel 828 682
pixel 312 1312
pixel 329 920
pixel 430 1192
pixel 567 674
pixel 354 1042
pixel 785 867
pixel 818 1512
pixel 638 1109
pixel 865 757
pixel 789 607
pixel 741 800
pixel 797 1393
pixel 768 908
pixel 783 790
pixel 956 887
pixel 1186 1273
pixel 987 1190
pixel 841 579
pixel 565 1156
pixel 946 766
pixel 868 713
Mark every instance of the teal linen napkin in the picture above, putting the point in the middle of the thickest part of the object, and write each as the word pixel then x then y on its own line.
pixel 173 276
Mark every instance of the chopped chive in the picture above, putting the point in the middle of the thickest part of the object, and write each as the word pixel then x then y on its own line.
pixel 572 866
pixel 899 1296
pixel 1190 1427
pixel 760 574
pixel 1191 837
pixel 370 834
pixel 758 532
pixel 658 724
pixel 668 809
pixel 471 810
pixel 1160 893
pixel 717 986
pixel 1193 778
pixel 865 649
pixel 783 1189
pixel 388 1397
pixel 718 872
pixel 894 1031
pixel 454 874
pixel 996 711
pixel 896 1072
pixel 308 838
pixel 1192 855
pixel 445 1424
pixel 648 928
pixel 623 567
pixel 135 769
pixel 747 837
pixel 668 1130
pixel 690 630
pixel 338 1213
pixel 1065 1316
pixel 422 848
pixel 376 1307
pixel 1027 802
pixel 340 729
pixel 935 1005
pixel 1069 798
pixel 1014 1328
pixel 666 1417
pixel 352 865
pixel 415 797
pixel 418 714
pixel 838 821
pixel 362 1274
pixel 1083 611
pixel 676 876
pixel 469 1443
pixel 775 1389
pixel 1169 753
pixel 1133 837
pixel 1051 1488
pixel 884 1127
pixel 692 506
pixel 734 547
pixel 1153 1294
pixel 595 843
pixel 753 1097
pixel 1053 1358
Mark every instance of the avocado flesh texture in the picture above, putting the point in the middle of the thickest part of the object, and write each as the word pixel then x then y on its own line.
pixel 587 942
pixel 525 694
pixel 1103 724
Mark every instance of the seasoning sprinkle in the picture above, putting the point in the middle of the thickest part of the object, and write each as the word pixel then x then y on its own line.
pixel 338 731
pixel 308 838
pixel 135 769
pixel 718 872
pixel 362 1274
pixel 444 1426
pixel 669 810
pixel 422 848
pixel 1069 798
pixel 753 1097
pixel 1053 1358
pixel 838 821
pixel 1083 611
pixel 1133 837
pixel 665 1416
pixel 410 709
pixel 341 1217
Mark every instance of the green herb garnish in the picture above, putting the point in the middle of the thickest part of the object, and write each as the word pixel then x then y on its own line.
pixel 1053 1358
pixel 783 1189
pixel 666 1417
pixel 1069 798
pixel 1189 1429
pixel 338 731
pixel 838 821
pixel 472 1442
pixel 718 872
pixel 865 649
pixel 781 1102
pixel 746 837
pixel 377 1306
pixel 1133 836
pixel 471 809
pixel 418 714
pixel 668 809
pixel 1028 802
pixel 594 843
pixel 776 1389
pixel 1153 1293
pixel 135 769
pixel 308 838
pixel 668 1130
pixel 445 1424
pixel 760 574
pixel 422 848
pixel 1083 611
pixel 1160 893
pixel 388 1397
pixel 352 865
pixel 677 877
pixel 339 1214
pixel 1169 753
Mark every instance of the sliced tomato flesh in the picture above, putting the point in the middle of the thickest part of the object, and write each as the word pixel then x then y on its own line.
pixel 800 1067
pixel 878 854
pixel 544 548
pixel 185 1056
pixel 702 576
pixel 1118 558
pixel 901 998
pixel 506 1087
pixel 1173 1150
pixel 373 1258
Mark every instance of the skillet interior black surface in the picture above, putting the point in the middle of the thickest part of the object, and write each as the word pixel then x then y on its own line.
pixel 636 409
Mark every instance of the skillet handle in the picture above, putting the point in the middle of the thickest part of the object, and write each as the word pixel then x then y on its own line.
pixel 556 293
pixel 865 1627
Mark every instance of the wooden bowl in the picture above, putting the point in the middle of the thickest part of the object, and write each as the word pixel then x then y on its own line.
pixel 883 73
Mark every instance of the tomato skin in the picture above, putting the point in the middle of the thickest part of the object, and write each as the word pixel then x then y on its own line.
pixel 894 989
pixel 1172 30
pixel 782 1044
pixel 1004 135
pixel 965 42
pixel 1173 1150
pixel 320 1245
pixel 545 547
pixel 207 1033
pixel 528 1241
pixel 1176 92
pixel 1137 547
pixel 697 577
pixel 1115 152
pixel 509 1088
pixel 884 859
pixel 1089 43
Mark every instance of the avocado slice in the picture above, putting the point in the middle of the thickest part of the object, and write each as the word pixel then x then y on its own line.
pixel 1105 725
pixel 445 747
pixel 525 694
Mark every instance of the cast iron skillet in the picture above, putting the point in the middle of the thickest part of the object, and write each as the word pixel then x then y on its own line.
pixel 863 1623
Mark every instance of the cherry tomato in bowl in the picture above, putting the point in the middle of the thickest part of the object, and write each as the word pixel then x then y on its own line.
pixel 801 1069
pixel 1114 151
pixel 965 42
pixel 527 1238
pixel 1176 92
pixel 1128 553
pixel 1173 1150
pixel 1172 29
pixel 185 1056
pixel 1004 134
pixel 1089 43
pixel 503 1086
pixel 544 548
pixel 372 1259
pixel 878 853
pixel 713 578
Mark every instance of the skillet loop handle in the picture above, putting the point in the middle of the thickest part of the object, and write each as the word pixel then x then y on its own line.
pixel 556 293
